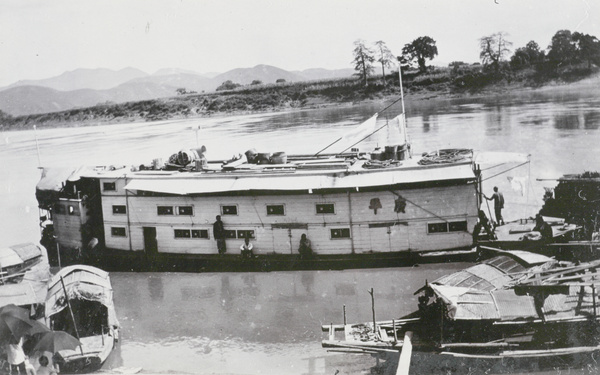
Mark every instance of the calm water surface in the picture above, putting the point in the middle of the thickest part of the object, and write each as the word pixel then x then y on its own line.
pixel 269 323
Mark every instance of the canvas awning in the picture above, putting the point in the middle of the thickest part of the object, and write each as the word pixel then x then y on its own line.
pixel 184 185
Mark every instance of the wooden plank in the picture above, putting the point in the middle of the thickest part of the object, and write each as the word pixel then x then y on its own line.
pixel 405 354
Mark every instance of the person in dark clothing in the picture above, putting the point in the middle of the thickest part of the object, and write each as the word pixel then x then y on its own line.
pixel 483 223
pixel 544 228
pixel 305 248
pixel 498 199
pixel 219 234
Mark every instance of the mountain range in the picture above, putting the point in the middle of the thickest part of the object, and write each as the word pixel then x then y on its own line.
pixel 89 87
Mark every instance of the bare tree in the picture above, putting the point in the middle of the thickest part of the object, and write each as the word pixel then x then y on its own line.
pixel 493 49
pixel 363 58
pixel 384 57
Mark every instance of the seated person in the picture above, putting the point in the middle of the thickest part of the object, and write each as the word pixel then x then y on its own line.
pixel 544 228
pixel 305 248
pixel 45 368
pixel 246 248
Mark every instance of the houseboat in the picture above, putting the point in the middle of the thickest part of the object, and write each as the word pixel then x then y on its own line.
pixel 357 208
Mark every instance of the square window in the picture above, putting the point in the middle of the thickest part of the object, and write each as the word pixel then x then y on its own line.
pixel 182 233
pixel 200 233
pixel 325 208
pixel 119 209
pixel 437 228
pixel 457 226
pixel 73 210
pixel 340 233
pixel 118 232
pixel 229 210
pixel 164 210
pixel 109 186
pixel 230 234
pixel 185 210
pixel 245 233
pixel 275 209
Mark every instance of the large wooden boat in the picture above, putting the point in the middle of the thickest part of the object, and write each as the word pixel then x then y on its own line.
pixel 80 302
pixel 515 305
pixel 358 208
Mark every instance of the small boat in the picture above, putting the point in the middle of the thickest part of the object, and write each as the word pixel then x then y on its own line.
pixel 80 302
pixel 515 305
pixel 16 260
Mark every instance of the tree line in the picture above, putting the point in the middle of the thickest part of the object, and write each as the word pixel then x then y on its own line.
pixel 566 49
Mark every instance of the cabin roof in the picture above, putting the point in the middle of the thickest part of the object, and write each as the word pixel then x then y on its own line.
pixel 80 282
pixel 17 254
pixel 199 183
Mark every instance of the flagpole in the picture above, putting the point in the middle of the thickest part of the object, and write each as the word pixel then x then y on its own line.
pixel 402 98
pixel 400 77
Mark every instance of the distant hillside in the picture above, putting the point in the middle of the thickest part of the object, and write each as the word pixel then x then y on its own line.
pixel 88 87
pixel 26 100
pixel 95 79
pixel 319 73
pixel 264 73
pixel 191 82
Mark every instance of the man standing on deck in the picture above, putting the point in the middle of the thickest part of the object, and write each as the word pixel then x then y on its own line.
pixel 498 205
pixel 219 233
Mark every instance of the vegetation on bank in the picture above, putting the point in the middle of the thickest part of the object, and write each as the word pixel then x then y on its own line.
pixel 569 57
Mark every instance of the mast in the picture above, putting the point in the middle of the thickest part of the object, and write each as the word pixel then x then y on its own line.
pixel 402 98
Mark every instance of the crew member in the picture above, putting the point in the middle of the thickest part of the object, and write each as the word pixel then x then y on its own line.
pixel 305 248
pixel 246 248
pixel 219 234
pixel 498 199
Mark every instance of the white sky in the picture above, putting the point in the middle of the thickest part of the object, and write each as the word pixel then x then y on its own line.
pixel 41 39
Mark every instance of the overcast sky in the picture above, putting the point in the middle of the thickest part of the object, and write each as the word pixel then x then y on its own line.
pixel 41 39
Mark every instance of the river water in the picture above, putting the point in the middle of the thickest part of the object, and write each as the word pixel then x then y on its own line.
pixel 269 323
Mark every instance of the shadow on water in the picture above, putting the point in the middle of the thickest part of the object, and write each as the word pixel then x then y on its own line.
pixel 434 364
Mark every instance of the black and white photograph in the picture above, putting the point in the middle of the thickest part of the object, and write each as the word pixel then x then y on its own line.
pixel 331 187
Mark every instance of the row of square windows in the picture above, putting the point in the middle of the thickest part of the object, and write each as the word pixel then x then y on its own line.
pixel 274 209
pixel 456 226
pixel 203 233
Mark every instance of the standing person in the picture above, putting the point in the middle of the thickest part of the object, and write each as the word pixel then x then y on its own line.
pixel 498 199
pixel 305 248
pixel 246 248
pixel 15 355
pixel 219 233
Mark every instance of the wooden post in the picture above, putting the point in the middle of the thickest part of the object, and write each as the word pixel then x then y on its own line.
pixel 594 299
pixel 344 314
pixel 373 308
pixel 58 254
pixel 71 311
pixel 394 328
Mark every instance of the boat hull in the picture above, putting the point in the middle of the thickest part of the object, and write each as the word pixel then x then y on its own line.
pixel 124 261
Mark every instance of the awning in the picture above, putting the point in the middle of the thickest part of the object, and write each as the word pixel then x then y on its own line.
pixel 184 185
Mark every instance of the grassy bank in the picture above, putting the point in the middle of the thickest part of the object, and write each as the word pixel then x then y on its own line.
pixel 458 81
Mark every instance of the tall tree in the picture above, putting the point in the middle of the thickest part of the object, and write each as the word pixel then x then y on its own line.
pixel 420 49
pixel 562 49
pixel 493 49
pixel 588 48
pixel 527 56
pixel 384 57
pixel 363 60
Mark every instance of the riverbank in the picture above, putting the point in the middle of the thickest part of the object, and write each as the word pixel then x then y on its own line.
pixel 439 84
